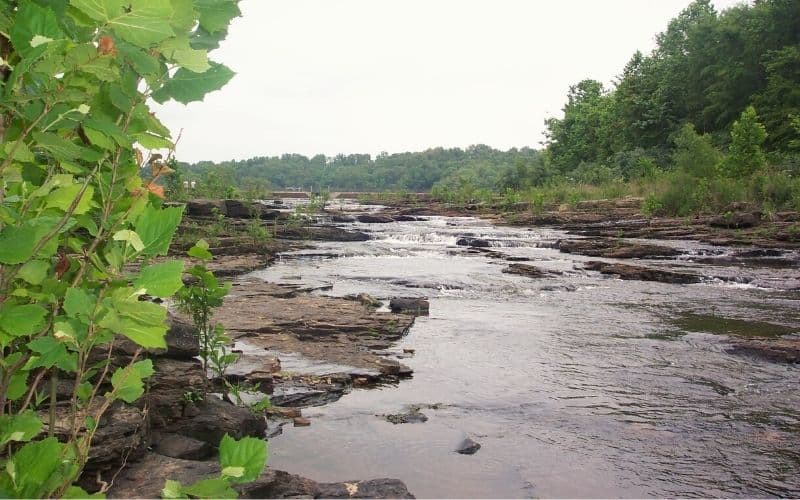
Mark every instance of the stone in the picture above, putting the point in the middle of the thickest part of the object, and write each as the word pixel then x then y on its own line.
pixel 473 242
pixel 374 488
pixel 217 418
pixel 343 218
pixel 279 484
pixel 374 219
pixel 468 447
pixel 285 411
pixel 614 248
pixel 412 416
pixel 239 209
pixel 183 340
pixel 529 271
pixel 735 220
pixel 301 422
pixel 204 207
pixel 177 446
pixel 409 305
pixel 629 272
pixel 174 386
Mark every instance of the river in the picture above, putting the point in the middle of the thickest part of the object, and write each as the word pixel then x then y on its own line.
pixel 578 385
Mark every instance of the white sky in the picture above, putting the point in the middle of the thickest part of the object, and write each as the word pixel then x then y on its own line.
pixel 365 76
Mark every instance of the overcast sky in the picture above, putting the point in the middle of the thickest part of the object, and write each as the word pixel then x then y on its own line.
pixel 365 76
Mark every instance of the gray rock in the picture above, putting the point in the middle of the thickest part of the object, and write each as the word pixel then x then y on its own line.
pixel 473 242
pixel 468 447
pixel 216 418
pixel 374 488
pixel 409 305
pixel 374 219
pixel 177 446
pixel 735 220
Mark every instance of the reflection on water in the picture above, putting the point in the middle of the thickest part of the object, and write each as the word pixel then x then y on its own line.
pixel 576 386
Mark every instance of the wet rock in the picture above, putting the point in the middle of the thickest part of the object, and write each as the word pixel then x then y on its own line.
pixel 405 218
pixel 473 242
pixel 261 380
pixel 468 447
pixel 735 220
pixel 215 418
pixel 278 484
pixel 177 446
pixel 366 300
pixel 321 233
pixel 615 249
pixel 284 412
pixel 409 305
pixel 629 272
pixel 183 340
pixel 374 219
pixel 343 218
pixel 784 350
pixel 239 209
pixel 205 207
pixel 529 271
pixel 412 416
pixel 175 384
pixel 301 422
pixel 374 488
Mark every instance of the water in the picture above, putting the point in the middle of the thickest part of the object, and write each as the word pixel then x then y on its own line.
pixel 576 386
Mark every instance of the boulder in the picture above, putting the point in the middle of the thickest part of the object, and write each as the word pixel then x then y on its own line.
pixel 614 248
pixel 204 207
pixel 468 447
pixel 215 418
pixel 473 242
pixel 529 271
pixel 177 446
pixel 175 385
pixel 239 209
pixel 343 218
pixel 374 219
pixel 409 305
pixel 183 340
pixel 374 488
pixel 628 272
pixel 735 220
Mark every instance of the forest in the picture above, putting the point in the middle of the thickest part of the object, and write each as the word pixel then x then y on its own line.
pixel 710 116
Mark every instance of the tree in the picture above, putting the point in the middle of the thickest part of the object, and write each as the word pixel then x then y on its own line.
pixel 745 155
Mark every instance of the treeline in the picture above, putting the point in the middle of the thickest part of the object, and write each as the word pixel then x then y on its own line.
pixel 706 69
pixel 710 116
pixel 480 165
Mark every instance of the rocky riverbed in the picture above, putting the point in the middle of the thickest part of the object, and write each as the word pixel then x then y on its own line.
pixel 333 316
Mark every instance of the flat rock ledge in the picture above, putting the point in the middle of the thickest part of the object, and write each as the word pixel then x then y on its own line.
pixel 145 479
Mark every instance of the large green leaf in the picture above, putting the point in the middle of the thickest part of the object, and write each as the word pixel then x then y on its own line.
pixel 35 271
pixel 79 303
pixel 156 227
pixel 143 23
pixel 19 320
pixel 33 22
pixel 216 15
pixel 32 469
pixel 187 86
pixel 128 381
pixel 65 196
pixel 18 242
pixel 178 50
pixel 53 353
pixel 248 453
pixel 21 427
pixel 210 488
pixel 65 150
pixel 161 280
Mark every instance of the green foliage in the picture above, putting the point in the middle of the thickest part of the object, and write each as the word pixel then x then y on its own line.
pixel 76 216
pixel 745 155
pixel 199 299
pixel 694 153
pixel 241 461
